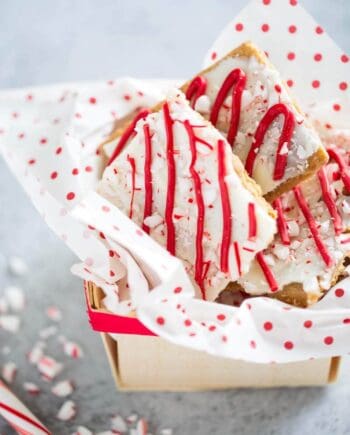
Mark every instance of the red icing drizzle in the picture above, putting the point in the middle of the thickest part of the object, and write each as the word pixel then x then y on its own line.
pixel 199 275
pixel 329 201
pixel 270 278
pixel 281 222
pixel 128 134
pixel 196 88
pixel 344 174
pixel 170 198
pixel 286 135
pixel 235 80
pixel 238 257
pixel 252 221
pixel 148 177
pixel 313 226
pixel 226 208
pixel 131 160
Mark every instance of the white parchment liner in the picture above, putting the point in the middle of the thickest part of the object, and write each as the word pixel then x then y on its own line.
pixel 49 137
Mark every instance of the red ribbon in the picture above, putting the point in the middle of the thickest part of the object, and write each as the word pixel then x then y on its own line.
pixel 102 321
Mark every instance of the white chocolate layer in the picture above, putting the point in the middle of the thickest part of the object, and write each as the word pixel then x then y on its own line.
pixel 264 88
pixel 116 186
pixel 301 262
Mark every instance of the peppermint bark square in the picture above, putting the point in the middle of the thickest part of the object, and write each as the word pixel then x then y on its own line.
pixel 178 179
pixel 307 255
pixel 244 96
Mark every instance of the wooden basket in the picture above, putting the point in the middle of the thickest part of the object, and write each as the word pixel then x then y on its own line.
pixel 144 362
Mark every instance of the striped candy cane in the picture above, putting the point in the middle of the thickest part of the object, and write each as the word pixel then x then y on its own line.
pixel 18 416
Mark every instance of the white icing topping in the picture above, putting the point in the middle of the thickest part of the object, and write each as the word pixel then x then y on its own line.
pixel 116 186
pixel 260 94
pixel 301 262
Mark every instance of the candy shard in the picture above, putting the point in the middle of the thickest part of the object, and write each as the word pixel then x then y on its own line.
pixel 31 388
pixel 67 411
pixel 17 266
pixel 15 298
pixel 82 430
pixel 9 371
pixel 119 424
pixel 63 388
pixel 10 322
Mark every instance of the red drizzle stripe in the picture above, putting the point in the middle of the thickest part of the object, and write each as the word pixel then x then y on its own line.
pixel 201 209
pixel 281 222
pixel 253 227
pixel 226 208
pixel 238 257
pixel 344 174
pixel 148 177
pixel 286 135
pixel 312 225
pixel 196 88
pixel 329 201
pixel 128 133
pixel 131 160
pixel 236 80
pixel 270 278
pixel 23 417
pixel 170 198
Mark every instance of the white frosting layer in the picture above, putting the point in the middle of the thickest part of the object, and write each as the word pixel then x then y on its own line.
pixel 259 95
pixel 301 262
pixel 116 186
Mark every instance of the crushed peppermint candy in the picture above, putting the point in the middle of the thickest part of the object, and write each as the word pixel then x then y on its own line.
pixel 15 298
pixel 54 313
pixel 82 430
pixel 67 411
pixel 17 266
pixel 49 367
pixel 9 371
pixel 63 388
pixel 10 322
pixel 118 424
pixel 141 427
pixel 31 388
pixel 48 332
pixel 72 349
pixel 132 418
pixel 36 353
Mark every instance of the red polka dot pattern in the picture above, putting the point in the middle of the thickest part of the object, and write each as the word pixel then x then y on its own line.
pixel 288 345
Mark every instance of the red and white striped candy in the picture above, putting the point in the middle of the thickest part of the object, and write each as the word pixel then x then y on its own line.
pixel 72 349
pixel 141 427
pixel 49 367
pixel 31 388
pixel 36 353
pixel 18 416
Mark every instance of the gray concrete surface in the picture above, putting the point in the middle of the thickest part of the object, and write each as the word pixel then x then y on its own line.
pixel 46 42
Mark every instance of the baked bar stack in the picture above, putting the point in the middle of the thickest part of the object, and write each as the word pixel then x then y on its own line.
pixel 178 179
pixel 241 102
pixel 244 97
pixel 307 255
